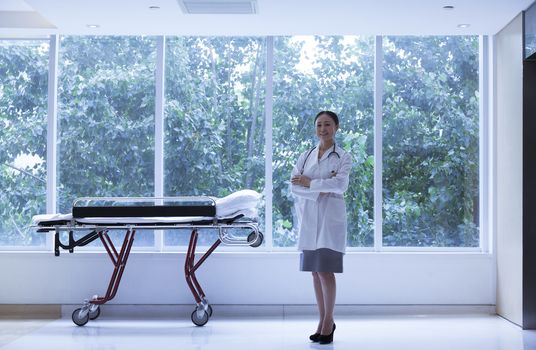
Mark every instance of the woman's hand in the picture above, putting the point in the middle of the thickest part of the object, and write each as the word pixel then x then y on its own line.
pixel 301 180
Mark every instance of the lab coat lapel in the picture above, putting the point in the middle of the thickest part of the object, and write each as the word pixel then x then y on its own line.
pixel 324 156
pixel 312 162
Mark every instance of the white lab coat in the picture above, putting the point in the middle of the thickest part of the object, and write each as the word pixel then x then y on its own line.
pixel 320 209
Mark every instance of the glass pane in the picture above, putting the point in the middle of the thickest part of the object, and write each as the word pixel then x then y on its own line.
pixel 313 74
pixel 214 132
pixel 106 119
pixel 430 142
pixel 23 121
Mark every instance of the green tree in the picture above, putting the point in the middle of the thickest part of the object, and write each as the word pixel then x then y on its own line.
pixel 106 117
pixel 23 111
pixel 214 134
pixel 431 141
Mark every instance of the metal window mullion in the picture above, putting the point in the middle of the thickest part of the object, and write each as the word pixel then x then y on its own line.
pixel 378 143
pixel 268 153
pixel 492 142
pixel 483 137
pixel 52 132
pixel 159 131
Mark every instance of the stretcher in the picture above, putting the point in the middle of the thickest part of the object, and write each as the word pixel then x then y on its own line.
pixel 93 217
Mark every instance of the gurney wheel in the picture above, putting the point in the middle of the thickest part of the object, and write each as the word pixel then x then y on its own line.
pixel 79 321
pixel 209 308
pixel 199 321
pixel 95 314
pixel 251 238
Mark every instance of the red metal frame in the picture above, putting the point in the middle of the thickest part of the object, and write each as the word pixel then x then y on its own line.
pixel 190 266
pixel 119 260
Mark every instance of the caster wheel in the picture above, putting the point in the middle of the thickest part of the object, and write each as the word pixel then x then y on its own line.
pixel 199 321
pixel 78 319
pixel 251 238
pixel 209 310
pixel 93 315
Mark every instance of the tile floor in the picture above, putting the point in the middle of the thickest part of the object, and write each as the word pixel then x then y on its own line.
pixel 453 332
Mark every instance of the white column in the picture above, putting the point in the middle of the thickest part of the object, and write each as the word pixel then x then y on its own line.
pixel 492 163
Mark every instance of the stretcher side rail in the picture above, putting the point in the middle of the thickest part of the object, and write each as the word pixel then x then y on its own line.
pixel 253 239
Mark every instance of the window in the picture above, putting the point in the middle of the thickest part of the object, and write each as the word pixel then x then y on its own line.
pixel 106 119
pixel 215 129
pixel 23 122
pixel 430 142
pixel 312 74
pixel 214 115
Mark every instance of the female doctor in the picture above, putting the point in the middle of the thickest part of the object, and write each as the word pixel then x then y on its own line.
pixel 319 179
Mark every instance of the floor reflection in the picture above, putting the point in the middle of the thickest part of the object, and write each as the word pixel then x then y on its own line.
pixel 461 332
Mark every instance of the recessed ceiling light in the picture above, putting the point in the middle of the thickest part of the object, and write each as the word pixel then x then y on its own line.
pixel 448 7
pixel 463 25
pixel 154 7
pixel 92 26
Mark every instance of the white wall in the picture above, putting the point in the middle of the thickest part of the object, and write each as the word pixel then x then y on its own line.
pixel 509 161
pixel 249 278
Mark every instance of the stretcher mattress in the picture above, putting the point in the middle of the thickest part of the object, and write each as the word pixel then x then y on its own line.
pixel 242 203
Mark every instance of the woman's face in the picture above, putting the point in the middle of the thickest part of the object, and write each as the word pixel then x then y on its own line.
pixel 325 128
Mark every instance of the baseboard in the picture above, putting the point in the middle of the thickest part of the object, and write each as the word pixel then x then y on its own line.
pixel 52 311
pixel 419 309
pixel 30 311
pixel 230 311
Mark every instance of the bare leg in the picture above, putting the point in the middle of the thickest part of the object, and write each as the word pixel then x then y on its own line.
pixel 319 300
pixel 327 280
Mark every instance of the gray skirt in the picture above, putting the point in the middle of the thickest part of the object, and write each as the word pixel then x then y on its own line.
pixel 321 260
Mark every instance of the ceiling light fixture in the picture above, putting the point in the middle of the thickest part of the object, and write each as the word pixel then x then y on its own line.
pixel 92 26
pixel 154 7
pixel 463 25
pixel 448 7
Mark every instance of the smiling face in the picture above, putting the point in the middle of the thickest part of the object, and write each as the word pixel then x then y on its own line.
pixel 325 128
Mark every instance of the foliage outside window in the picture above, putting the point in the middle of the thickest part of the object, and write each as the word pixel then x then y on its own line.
pixel 214 115
pixel 23 122
pixel 430 142
pixel 106 119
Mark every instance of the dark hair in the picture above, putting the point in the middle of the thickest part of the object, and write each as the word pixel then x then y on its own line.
pixel 330 114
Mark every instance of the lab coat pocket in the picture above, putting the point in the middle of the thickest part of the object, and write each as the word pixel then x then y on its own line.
pixel 337 224
pixel 338 208
pixel 337 214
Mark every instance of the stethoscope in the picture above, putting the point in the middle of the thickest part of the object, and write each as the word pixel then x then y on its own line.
pixel 332 153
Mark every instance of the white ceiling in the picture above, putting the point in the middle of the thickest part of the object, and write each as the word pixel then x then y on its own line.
pixel 274 17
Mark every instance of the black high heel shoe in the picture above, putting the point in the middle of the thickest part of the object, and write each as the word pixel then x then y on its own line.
pixel 327 339
pixel 314 337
